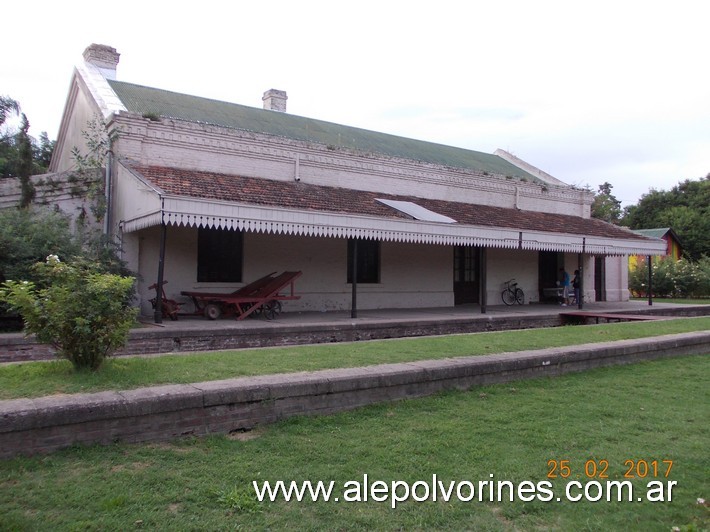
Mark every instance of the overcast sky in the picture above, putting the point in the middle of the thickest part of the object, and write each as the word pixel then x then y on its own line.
pixel 612 90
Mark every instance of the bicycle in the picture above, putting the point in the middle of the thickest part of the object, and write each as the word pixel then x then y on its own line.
pixel 512 294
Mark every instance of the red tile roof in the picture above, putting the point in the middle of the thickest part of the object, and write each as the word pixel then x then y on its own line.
pixel 304 196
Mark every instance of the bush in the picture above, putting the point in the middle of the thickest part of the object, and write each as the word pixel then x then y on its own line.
pixel 31 234
pixel 83 313
pixel 672 278
pixel 28 236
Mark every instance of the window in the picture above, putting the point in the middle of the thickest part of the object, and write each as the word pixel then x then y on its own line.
pixel 368 260
pixel 219 255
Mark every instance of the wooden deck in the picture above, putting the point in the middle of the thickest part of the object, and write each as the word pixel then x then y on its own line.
pixel 576 317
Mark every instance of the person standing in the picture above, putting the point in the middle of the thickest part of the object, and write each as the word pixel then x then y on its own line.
pixel 575 286
pixel 564 281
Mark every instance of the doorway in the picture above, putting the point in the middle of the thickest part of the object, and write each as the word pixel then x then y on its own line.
pixel 600 278
pixel 466 275
pixel 549 264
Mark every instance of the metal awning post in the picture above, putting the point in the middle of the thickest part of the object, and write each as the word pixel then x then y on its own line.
pixel 353 307
pixel 484 280
pixel 580 277
pixel 158 314
pixel 650 281
pixel 580 267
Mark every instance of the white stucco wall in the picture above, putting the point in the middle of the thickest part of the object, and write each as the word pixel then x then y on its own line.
pixel 81 110
pixel 506 264
pixel 410 275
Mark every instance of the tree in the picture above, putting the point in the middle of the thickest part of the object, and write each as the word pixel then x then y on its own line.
pixel 28 236
pixel 605 206
pixel 14 145
pixel 685 208
pixel 89 167
pixel 25 163
pixel 43 153
pixel 7 107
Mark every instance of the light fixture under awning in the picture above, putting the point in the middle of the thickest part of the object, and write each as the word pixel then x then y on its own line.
pixel 416 211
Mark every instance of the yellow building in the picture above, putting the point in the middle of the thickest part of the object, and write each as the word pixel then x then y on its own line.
pixel 673 246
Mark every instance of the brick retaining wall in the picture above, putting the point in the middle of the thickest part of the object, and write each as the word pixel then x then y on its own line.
pixel 30 426
pixel 15 347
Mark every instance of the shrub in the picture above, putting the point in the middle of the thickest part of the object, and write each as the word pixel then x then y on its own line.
pixel 664 277
pixel 704 274
pixel 672 278
pixel 83 313
pixel 28 236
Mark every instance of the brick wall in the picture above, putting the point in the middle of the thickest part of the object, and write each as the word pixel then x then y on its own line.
pixel 15 347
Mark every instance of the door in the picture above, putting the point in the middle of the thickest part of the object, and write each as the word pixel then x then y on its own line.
pixel 466 275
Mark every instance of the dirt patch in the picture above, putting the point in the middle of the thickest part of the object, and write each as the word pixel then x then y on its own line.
pixel 245 435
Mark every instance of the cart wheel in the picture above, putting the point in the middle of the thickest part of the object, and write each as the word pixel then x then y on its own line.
pixel 256 312
pixel 272 309
pixel 212 311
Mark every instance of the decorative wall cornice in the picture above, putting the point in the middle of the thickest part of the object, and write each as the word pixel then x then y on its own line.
pixel 206 138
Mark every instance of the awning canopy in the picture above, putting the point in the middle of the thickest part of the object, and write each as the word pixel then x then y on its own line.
pixel 200 199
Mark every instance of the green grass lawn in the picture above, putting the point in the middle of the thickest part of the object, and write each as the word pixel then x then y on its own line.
pixel 45 378
pixel 648 411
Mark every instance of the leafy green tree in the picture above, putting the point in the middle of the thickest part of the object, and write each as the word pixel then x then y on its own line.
pixel 685 208
pixel 42 154
pixel 25 163
pixel 15 160
pixel 89 173
pixel 83 313
pixel 605 206
pixel 703 266
pixel 29 235
pixel 8 106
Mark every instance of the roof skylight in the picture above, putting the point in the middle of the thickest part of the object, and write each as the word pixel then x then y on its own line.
pixel 416 211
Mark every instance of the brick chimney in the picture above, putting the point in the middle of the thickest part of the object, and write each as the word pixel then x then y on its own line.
pixel 104 58
pixel 275 100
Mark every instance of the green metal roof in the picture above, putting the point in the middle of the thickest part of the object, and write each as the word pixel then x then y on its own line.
pixel 653 233
pixel 149 101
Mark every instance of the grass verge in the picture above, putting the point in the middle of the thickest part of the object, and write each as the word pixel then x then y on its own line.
pixel 36 379
pixel 648 411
